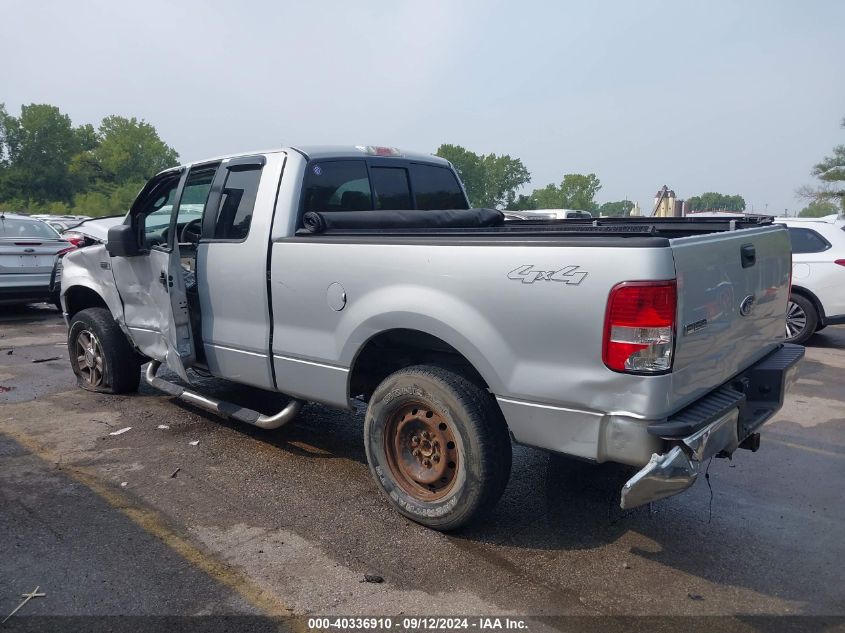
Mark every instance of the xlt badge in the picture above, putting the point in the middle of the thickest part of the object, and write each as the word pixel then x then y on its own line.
pixel 528 275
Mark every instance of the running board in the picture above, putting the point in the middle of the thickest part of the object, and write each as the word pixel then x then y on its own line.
pixel 221 407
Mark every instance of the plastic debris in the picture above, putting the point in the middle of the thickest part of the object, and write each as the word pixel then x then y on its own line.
pixel 121 431
pixel 175 472
pixel 194 442
pixel 695 596
pixel 123 484
pixel 373 578
pixel 46 360
pixel 163 427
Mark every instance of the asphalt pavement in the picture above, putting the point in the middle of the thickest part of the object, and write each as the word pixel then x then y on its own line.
pixel 289 521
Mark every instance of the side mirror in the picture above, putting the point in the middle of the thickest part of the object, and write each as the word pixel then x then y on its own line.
pixel 122 241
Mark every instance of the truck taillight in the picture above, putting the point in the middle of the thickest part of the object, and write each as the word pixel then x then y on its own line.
pixel 639 327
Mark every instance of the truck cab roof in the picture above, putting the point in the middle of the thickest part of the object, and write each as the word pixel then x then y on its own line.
pixel 323 152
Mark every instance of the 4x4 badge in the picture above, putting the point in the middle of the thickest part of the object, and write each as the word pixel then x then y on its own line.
pixel 528 275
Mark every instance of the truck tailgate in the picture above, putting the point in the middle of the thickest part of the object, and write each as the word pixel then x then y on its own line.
pixel 732 294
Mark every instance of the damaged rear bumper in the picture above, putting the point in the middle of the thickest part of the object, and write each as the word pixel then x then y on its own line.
pixel 714 425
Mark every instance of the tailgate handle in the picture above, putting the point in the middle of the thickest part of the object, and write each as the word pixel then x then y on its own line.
pixel 748 255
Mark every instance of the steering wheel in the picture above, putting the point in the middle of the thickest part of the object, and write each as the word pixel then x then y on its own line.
pixel 191 232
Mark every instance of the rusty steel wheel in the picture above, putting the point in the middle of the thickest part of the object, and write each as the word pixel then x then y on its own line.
pixel 437 446
pixel 421 451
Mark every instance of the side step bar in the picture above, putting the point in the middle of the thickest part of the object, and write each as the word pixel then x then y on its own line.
pixel 221 407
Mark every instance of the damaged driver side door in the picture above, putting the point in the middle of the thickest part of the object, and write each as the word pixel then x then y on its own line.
pixel 151 283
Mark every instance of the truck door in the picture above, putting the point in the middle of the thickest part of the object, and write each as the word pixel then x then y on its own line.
pixel 232 260
pixel 152 285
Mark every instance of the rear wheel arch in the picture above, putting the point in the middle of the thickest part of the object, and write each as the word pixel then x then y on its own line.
pixel 812 298
pixel 391 350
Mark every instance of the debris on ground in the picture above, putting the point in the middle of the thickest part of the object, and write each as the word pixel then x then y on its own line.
pixel 46 360
pixel 626 566
pixel 26 598
pixel 10 352
pixel 5 389
pixel 194 442
pixel 163 427
pixel 695 596
pixel 372 578
pixel 120 431
pixel 123 484
pixel 174 473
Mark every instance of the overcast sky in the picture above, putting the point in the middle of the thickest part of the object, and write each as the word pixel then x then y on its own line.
pixel 735 97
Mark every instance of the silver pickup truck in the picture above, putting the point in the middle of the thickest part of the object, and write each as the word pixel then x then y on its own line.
pixel 344 275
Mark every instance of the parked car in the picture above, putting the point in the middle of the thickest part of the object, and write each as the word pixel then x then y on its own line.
pixel 818 275
pixel 60 222
pixel 547 214
pixel 335 275
pixel 91 231
pixel 28 251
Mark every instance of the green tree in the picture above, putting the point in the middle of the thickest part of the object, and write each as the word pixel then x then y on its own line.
pixel 37 148
pixel 576 191
pixel 831 174
pixel 818 209
pixel 522 203
pixel 128 150
pixel 712 201
pixel 490 180
pixel 621 208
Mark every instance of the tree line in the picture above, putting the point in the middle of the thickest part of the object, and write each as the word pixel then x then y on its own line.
pixel 48 165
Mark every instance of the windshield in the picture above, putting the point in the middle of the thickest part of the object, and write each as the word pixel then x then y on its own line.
pixel 18 228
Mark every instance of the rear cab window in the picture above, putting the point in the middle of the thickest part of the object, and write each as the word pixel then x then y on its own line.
pixel 356 185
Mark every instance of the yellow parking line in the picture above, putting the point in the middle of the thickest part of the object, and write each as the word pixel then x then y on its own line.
pixel 811 449
pixel 154 524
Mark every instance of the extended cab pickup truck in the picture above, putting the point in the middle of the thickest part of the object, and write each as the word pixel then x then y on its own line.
pixel 336 275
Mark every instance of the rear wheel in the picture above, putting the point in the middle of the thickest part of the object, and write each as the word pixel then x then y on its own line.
pixel 437 445
pixel 100 355
pixel 801 319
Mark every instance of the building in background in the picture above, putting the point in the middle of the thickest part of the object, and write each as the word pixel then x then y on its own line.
pixel 666 204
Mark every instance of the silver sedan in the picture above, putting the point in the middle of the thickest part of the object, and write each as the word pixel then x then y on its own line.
pixel 29 249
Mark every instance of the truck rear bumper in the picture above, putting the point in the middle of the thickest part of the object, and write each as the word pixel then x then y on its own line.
pixel 714 425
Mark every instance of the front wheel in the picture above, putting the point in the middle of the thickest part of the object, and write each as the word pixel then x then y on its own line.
pixel 801 319
pixel 100 354
pixel 437 445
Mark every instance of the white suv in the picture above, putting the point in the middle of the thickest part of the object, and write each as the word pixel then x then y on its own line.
pixel 818 275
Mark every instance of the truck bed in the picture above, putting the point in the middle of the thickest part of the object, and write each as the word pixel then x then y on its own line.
pixel 656 231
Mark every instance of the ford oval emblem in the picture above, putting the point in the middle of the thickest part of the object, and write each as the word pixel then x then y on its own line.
pixel 747 305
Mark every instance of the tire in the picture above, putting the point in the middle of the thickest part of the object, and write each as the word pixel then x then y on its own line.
pixel 802 319
pixel 437 445
pixel 100 354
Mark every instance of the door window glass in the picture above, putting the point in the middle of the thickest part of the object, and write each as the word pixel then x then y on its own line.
pixel 338 185
pixel 156 209
pixel 437 188
pixel 237 202
pixel 390 185
pixel 194 197
pixel 807 241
